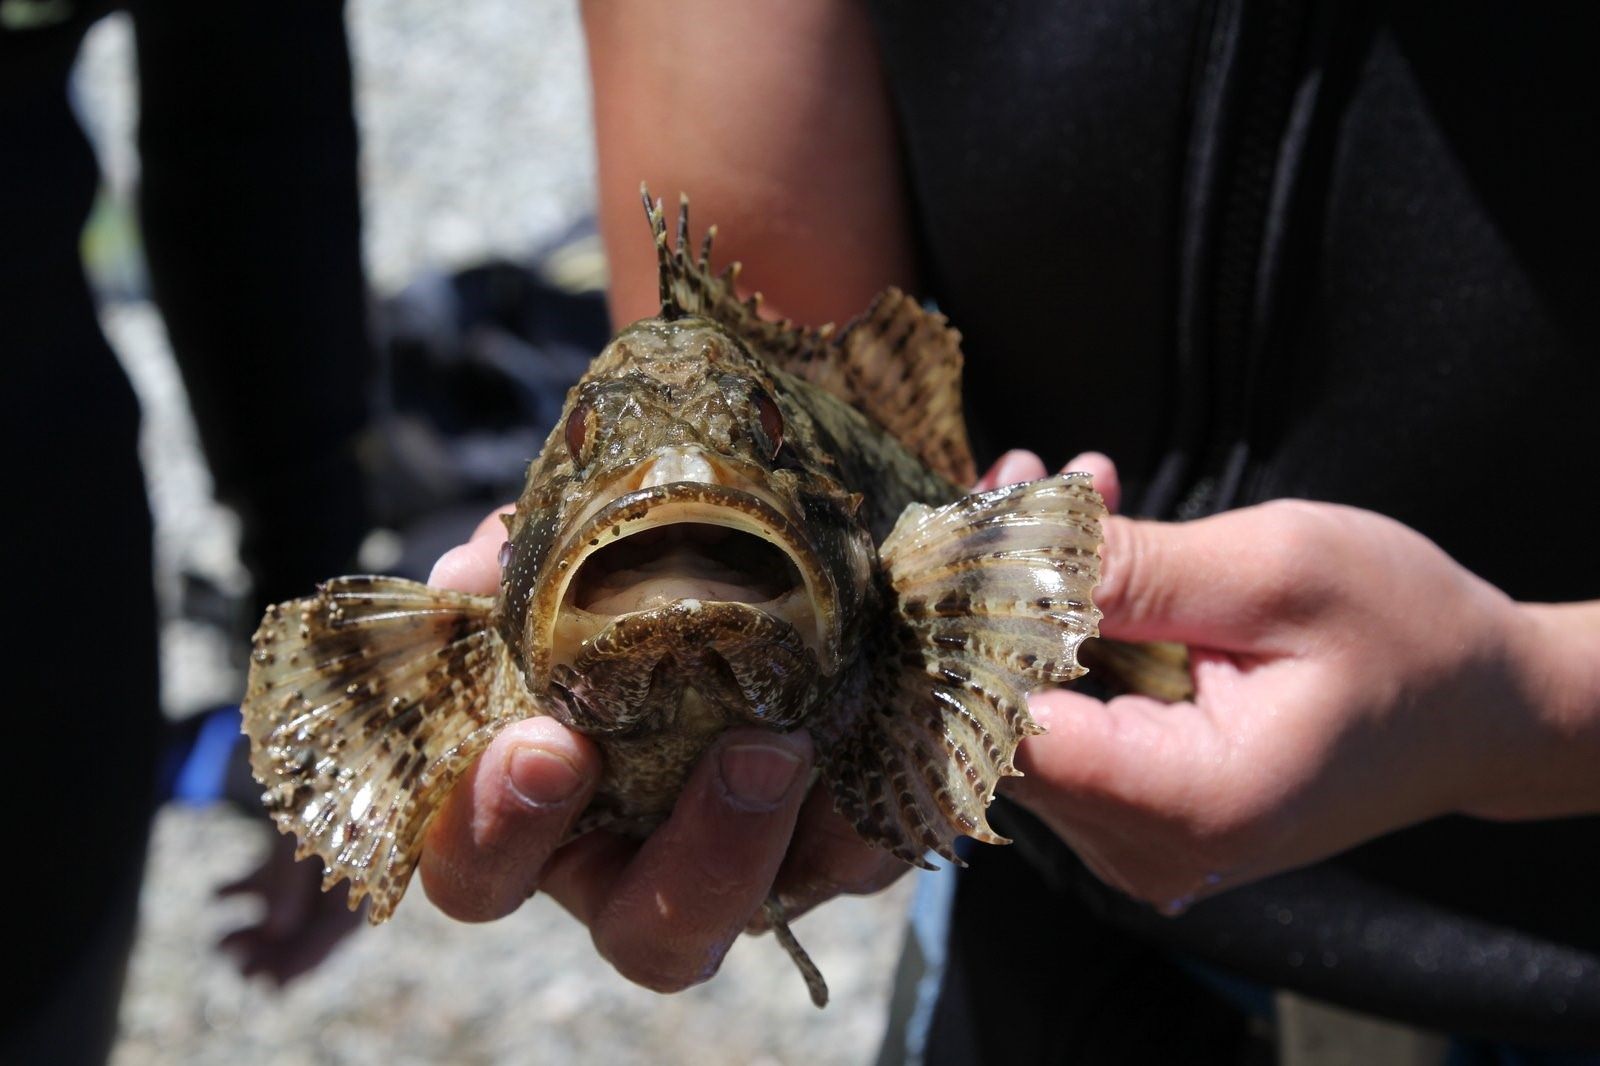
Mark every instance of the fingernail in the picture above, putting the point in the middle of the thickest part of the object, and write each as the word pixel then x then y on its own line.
pixel 542 778
pixel 757 775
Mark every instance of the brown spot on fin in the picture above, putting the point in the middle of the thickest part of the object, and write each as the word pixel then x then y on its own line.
pixel 899 363
pixel 365 702
pixel 992 596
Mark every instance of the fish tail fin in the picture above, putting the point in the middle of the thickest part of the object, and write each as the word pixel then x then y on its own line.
pixel 779 923
pixel 991 599
pixel 364 704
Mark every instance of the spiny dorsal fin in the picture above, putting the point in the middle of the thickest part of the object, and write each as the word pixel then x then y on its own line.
pixel 365 703
pixel 688 287
pixel 899 363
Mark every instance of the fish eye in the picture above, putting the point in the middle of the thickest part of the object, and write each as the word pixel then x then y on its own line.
pixel 771 418
pixel 578 429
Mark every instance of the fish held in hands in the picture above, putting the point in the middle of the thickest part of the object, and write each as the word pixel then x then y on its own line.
pixel 737 521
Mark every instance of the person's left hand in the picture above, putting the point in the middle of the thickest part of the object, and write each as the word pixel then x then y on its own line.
pixel 1350 679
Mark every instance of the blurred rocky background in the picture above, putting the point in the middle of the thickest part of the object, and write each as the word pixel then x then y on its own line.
pixel 478 169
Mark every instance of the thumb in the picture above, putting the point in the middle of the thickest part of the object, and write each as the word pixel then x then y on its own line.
pixel 1217 582
pixel 1093 755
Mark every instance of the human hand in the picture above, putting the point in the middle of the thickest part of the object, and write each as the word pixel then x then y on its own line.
pixel 665 910
pixel 300 924
pixel 1350 679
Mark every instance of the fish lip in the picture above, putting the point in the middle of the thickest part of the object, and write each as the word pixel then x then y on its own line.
pixel 621 517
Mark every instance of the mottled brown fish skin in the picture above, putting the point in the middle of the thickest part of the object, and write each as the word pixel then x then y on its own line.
pixel 736 521
pixel 687 384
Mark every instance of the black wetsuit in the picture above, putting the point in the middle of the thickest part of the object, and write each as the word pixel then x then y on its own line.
pixel 250 221
pixel 1337 251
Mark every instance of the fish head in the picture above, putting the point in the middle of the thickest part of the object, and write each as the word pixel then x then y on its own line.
pixel 684 544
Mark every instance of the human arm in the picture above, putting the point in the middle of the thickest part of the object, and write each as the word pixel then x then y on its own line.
pixel 772 117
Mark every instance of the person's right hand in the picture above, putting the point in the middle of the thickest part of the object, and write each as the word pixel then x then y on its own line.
pixel 663 910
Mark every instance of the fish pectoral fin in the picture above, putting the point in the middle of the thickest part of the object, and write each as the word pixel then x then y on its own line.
pixel 365 702
pixel 898 363
pixel 991 599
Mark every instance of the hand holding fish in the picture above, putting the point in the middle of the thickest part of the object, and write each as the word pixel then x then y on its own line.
pixel 744 562
pixel 1350 679
pixel 664 911
pixel 717 858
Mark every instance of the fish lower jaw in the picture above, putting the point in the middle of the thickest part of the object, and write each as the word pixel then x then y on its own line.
pixel 650 670
pixel 577 628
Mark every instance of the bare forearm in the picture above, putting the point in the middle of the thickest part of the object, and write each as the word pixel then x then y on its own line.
pixel 772 116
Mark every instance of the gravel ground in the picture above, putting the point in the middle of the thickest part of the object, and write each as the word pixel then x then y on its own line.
pixel 476 143
pixel 425 989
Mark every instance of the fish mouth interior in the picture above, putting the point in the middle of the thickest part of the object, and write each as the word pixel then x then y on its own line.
pixel 663 548
pixel 687 560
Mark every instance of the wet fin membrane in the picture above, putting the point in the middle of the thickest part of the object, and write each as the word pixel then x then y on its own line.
pixel 365 703
pixel 992 599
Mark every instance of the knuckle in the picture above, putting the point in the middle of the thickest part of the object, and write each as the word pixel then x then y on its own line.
pixel 1120 592
pixel 1294 559
pixel 1293 541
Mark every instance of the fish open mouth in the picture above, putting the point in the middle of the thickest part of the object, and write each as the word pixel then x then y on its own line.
pixel 687 543
pixel 683 561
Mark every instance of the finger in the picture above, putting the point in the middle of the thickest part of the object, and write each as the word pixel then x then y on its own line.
pixel 694 885
pixel 1110 779
pixel 492 524
pixel 289 889
pixel 474 566
pixel 1096 761
pixel 294 889
pixel 485 851
pixel 1227 582
pixel 471 567
pixel 583 875
pixel 1104 472
pixel 1011 468
pixel 828 858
